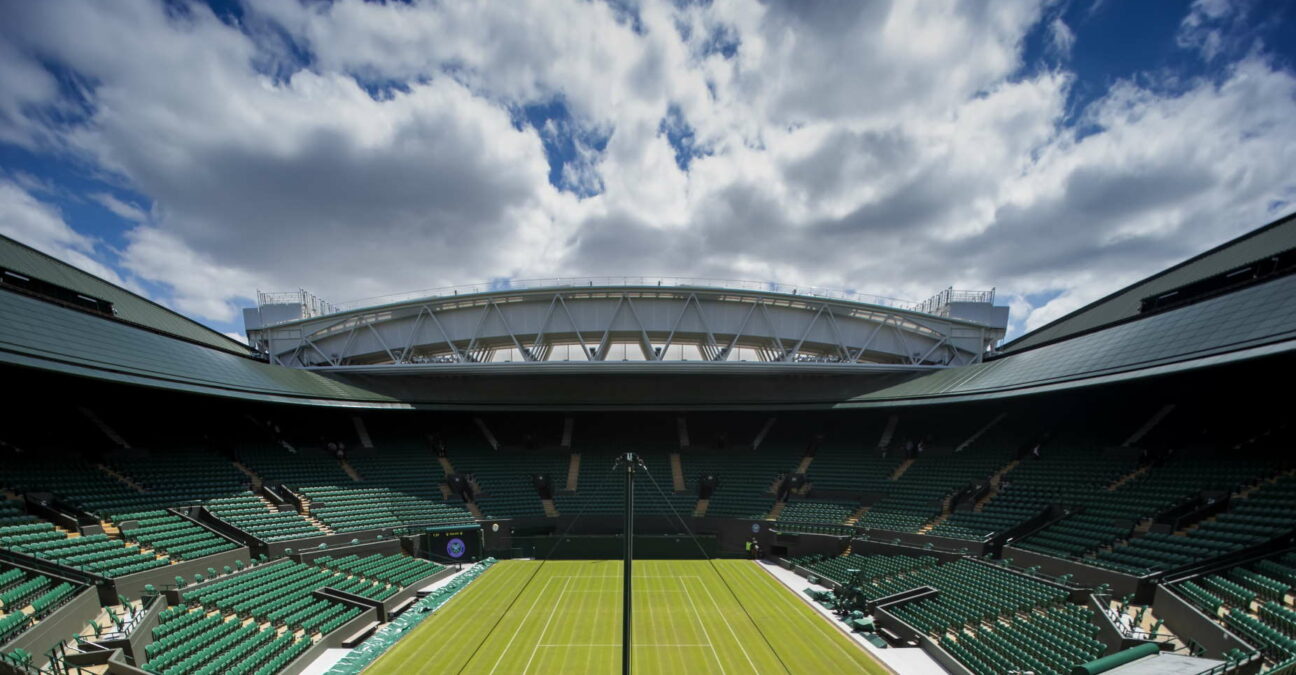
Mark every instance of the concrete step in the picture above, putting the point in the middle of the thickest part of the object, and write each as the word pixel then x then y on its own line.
pixel 475 510
pixel 804 466
pixel 677 472
pixel 856 515
pixel 550 508
pixel 121 478
pixel 701 508
pixel 256 480
pixel 446 466
pixel 573 471
pixel 1128 477
pixel 350 470
pixel 900 470
pixel 775 512
pixel 889 431
pixel 995 480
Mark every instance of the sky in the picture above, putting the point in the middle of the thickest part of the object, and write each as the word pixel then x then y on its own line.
pixel 1055 151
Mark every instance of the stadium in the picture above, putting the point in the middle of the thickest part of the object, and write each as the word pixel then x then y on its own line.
pixel 653 475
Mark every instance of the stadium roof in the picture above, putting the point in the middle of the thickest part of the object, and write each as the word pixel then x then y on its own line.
pixel 130 307
pixel 1277 236
pixel 1108 340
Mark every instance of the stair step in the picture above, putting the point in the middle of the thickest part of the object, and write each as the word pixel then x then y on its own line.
pixel 350 470
pixel 677 473
pixel 573 471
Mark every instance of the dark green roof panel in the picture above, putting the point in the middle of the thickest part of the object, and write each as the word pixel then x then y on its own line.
pixel 1246 318
pixel 1123 304
pixel 129 306
pixel 35 328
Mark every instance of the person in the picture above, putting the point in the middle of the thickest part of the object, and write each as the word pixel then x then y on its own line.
pixel 748 545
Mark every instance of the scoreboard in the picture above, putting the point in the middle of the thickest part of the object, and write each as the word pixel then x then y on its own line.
pixel 448 545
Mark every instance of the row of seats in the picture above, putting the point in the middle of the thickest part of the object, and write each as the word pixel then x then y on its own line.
pixel 96 553
pixel 1105 516
pixel 920 493
pixel 870 567
pixel 1048 641
pixel 20 589
pixel 816 511
pixel 399 570
pixel 1058 476
pixel 251 514
pixel 350 509
pixel 167 533
pixel 1253 600
pixel 1261 516
pixel 191 641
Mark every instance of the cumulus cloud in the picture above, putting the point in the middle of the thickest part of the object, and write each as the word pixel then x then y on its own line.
pixel 41 226
pixel 358 149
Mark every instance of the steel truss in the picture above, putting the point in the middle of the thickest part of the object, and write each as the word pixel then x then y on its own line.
pixel 721 325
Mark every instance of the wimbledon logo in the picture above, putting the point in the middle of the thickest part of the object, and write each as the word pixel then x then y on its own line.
pixel 455 547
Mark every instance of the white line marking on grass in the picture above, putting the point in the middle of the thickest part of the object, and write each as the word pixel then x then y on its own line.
pixel 732 632
pixel 702 623
pixel 618 644
pixel 522 623
pixel 552 612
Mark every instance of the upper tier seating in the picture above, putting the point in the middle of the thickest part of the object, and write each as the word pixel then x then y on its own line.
pixel 256 517
pixel 815 511
pixel 96 553
pixel 1261 516
pixel 357 507
pixel 167 533
pixel 744 477
pixel 1059 475
pixel 1103 516
pixel 504 478
pixel 919 494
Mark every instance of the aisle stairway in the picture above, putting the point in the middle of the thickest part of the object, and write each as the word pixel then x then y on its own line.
pixel 677 473
pixel 573 471
pixel 256 480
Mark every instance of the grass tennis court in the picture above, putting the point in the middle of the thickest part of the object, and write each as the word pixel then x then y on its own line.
pixel 568 620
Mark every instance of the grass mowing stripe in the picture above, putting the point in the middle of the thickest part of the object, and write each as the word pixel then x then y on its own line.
pixel 695 628
pixel 809 621
pixel 496 583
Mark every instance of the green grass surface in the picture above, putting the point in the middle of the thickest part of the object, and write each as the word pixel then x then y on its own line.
pixel 567 619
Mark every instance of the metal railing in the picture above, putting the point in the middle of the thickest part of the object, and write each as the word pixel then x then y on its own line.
pixel 937 303
pixel 499 285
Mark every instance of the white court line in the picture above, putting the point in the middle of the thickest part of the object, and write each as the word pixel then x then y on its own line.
pixel 702 623
pixel 729 625
pixel 521 624
pixel 557 604
pixel 618 644
pixel 637 590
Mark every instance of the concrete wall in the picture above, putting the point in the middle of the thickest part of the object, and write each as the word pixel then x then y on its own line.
pixel 389 546
pixel 330 641
pixel 141 633
pixel 1084 575
pixel 55 628
pixel 884 619
pixel 132 585
pixel 874 547
pixel 1186 621
pixel 280 548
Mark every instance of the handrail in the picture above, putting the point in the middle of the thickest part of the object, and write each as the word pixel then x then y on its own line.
pixel 315 307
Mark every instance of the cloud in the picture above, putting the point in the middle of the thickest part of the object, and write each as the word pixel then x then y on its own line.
pixel 120 208
pixel 1061 38
pixel 41 226
pixel 359 149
